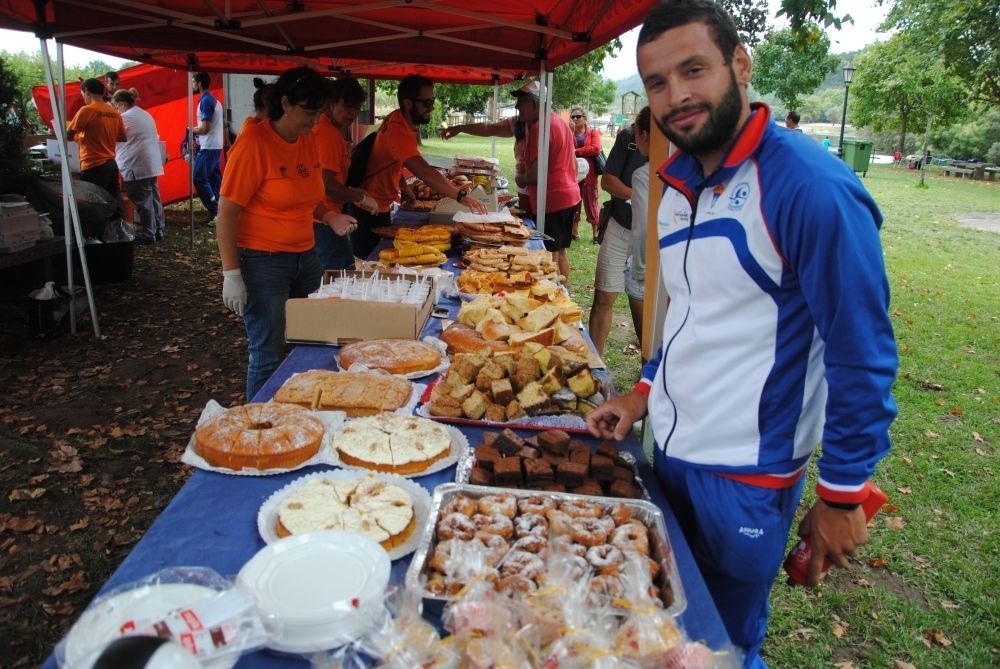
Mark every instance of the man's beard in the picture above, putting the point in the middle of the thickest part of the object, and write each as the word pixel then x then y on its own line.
pixel 717 131
pixel 419 119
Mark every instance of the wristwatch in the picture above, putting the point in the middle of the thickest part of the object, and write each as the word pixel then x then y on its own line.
pixel 461 195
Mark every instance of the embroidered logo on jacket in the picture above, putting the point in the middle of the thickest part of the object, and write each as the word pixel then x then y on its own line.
pixel 752 532
pixel 739 197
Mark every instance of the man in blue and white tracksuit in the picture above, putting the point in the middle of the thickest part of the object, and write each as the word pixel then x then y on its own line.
pixel 207 175
pixel 777 338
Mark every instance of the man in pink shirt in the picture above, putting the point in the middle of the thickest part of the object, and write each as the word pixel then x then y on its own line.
pixel 562 192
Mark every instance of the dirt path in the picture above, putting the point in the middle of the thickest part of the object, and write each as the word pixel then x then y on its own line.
pixel 987 222
pixel 91 431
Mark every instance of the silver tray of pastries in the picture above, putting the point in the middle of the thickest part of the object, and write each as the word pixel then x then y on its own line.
pixel 616 474
pixel 502 544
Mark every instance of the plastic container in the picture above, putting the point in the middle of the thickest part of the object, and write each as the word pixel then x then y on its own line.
pixel 858 155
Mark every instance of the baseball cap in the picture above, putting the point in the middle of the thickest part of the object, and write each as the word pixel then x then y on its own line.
pixel 531 88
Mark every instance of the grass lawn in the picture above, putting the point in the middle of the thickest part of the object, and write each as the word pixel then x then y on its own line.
pixel 922 593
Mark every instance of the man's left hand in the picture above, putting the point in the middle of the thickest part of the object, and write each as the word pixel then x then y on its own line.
pixel 474 205
pixel 835 536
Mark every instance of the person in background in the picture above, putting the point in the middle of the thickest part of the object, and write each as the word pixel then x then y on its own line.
pixel 826 143
pixel 260 91
pixel 141 164
pixel 562 194
pixel 635 275
pixel 207 175
pixel 346 97
pixel 111 86
pixel 395 148
pixel 616 244
pixel 97 128
pixel 777 337
pixel 272 189
pixel 508 127
pixel 588 145
pixel 792 121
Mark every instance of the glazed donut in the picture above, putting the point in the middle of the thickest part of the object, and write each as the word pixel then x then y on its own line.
pixel 494 524
pixel 263 435
pixel 588 531
pixel 632 536
pixel 504 504
pixel 621 514
pixel 559 523
pixel 564 544
pixel 607 586
pixel 496 547
pixel 539 504
pixel 456 526
pixel 607 559
pixel 608 523
pixel 579 508
pixel 532 543
pixel 516 583
pixel 531 523
pixel 442 555
pixel 524 564
pixel 460 504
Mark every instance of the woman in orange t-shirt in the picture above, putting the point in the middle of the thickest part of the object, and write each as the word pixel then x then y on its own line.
pixel 272 189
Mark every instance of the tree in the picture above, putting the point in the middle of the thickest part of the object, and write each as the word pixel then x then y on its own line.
pixel 966 33
pixel 899 83
pixel 789 68
pixel 751 18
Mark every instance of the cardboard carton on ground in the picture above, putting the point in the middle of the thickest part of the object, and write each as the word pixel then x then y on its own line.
pixel 337 321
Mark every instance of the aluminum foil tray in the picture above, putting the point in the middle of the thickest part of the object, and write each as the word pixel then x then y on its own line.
pixel 467 460
pixel 668 581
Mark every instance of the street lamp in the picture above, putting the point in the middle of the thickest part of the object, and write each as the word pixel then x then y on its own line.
pixel 849 71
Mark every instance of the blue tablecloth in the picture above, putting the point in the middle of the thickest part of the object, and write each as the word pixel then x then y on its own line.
pixel 212 521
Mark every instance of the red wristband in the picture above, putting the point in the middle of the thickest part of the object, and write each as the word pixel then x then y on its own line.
pixel 642 388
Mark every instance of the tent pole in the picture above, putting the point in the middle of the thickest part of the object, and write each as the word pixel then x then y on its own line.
pixel 494 114
pixel 544 130
pixel 59 125
pixel 67 217
pixel 190 138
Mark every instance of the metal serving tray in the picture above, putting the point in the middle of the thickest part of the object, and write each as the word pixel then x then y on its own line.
pixel 668 581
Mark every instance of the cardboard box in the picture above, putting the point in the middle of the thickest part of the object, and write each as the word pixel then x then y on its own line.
pixel 336 321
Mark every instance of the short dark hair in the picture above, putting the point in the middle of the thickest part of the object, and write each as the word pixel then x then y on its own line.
pixel 794 115
pixel 92 86
pixel 642 119
pixel 111 76
pixel 260 93
pixel 348 91
pixel 204 80
pixel 676 13
pixel 302 86
pixel 410 85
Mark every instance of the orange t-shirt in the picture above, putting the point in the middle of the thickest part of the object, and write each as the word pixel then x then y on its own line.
pixel 396 143
pixel 98 127
pixel 333 153
pixel 278 185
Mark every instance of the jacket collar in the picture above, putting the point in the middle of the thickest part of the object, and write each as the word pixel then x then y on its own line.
pixel 682 171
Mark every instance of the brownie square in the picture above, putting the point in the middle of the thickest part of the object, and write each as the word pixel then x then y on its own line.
pixel 588 488
pixel 486 456
pixel 580 454
pixel 554 441
pixel 532 441
pixel 489 438
pixel 529 453
pixel 537 472
pixel 571 474
pixel 577 443
pixel 507 471
pixel 553 487
pixel 624 473
pixel 480 476
pixel 508 443
pixel 602 467
pixel 609 449
pixel 625 489
pixel 554 460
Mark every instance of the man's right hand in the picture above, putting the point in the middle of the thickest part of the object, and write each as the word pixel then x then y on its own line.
pixel 234 291
pixel 474 205
pixel 614 418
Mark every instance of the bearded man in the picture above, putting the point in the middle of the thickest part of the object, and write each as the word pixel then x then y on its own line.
pixel 777 338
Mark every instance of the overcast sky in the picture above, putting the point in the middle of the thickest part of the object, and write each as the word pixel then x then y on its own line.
pixel 853 37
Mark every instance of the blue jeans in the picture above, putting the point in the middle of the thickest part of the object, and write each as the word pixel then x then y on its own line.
pixel 208 179
pixel 334 251
pixel 271 278
pixel 738 534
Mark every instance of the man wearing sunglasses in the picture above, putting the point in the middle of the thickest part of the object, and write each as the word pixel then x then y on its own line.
pixel 396 147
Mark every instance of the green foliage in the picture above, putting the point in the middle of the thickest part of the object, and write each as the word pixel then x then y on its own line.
pixel 13 163
pixel 802 13
pixel 978 136
pixel 901 83
pixel 789 67
pixel 966 33
pixel 751 18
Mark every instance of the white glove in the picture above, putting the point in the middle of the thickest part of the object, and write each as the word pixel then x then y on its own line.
pixel 234 291
pixel 368 203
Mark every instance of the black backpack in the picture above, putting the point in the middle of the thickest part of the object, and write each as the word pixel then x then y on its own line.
pixel 360 154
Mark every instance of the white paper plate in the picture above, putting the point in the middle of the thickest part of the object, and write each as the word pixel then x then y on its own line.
pixel 318 590
pixel 100 624
pixel 459 445
pixel 267 517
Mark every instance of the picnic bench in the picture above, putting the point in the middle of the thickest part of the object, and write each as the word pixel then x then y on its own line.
pixel 948 170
